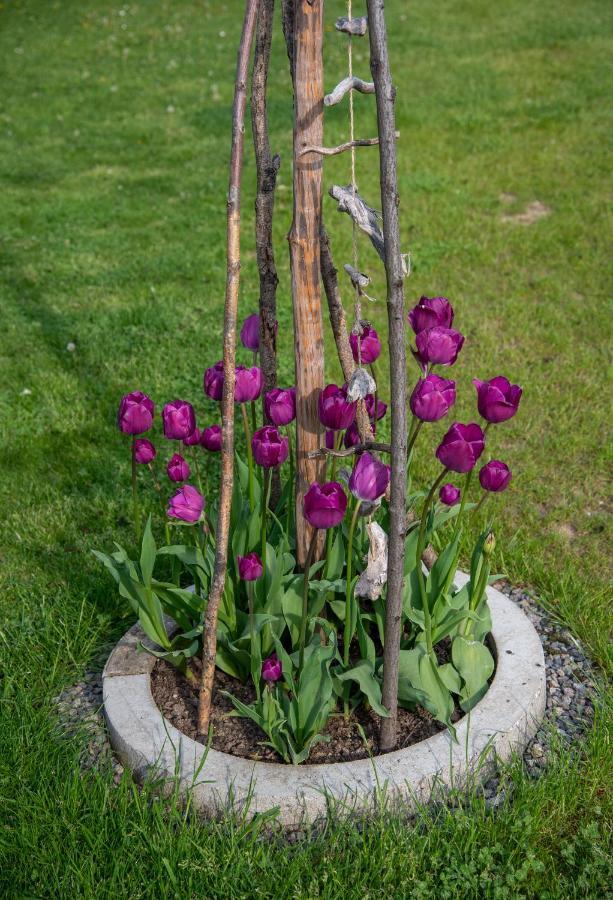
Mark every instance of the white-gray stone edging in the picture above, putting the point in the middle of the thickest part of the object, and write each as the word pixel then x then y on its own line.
pixel 499 725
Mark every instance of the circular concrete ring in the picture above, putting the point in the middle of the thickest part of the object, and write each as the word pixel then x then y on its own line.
pixel 501 724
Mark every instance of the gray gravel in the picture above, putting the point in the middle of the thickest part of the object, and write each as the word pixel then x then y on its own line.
pixel 570 691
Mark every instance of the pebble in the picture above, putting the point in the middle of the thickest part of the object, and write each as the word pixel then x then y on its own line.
pixel 570 704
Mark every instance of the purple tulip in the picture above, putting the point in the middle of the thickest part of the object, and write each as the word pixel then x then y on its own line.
pixel 369 343
pixel 250 333
pixel 211 438
pixel 144 451
pixel 270 448
pixel 272 670
pixel 179 420
pixel 430 312
pixel 449 494
pixel 369 479
pixel 497 399
pixel 438 346
pixel 193 439
pixel 187 504
pixel 495 476
pixel 461 447
pixel 352 435
pixel 250 567
pixel 177 469
pixel 213 381
pixel 369 399
pixel 248 384
pixel 335 411
pixel 324 505
pixel 432 398
pixel 135 413
pixel 280 405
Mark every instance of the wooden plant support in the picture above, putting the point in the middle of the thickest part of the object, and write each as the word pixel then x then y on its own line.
pixel 385 97
pixel 209 649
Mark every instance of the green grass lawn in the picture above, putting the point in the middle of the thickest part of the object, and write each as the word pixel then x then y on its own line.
pixel 114 139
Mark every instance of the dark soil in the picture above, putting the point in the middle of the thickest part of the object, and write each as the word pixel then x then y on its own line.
pixel 178 701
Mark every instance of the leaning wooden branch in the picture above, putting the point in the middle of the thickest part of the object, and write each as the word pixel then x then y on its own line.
pixel 364 216
pixel 385 94
pixel 349 451
pixel 339 328
pixel 267 167
pixel 355 26
pixel 350 83
pixel 209 649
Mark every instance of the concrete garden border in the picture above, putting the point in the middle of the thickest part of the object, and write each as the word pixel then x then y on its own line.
pixel 500 724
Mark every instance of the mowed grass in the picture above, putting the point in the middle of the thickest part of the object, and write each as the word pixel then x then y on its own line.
pixel 114 140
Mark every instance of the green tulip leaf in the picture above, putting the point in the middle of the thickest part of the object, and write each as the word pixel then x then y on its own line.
pixel 475 664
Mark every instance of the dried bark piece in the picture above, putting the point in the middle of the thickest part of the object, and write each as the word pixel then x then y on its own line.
pixel 356 26
pixel 373 579
pixel 360 385
pixel 350 83
pixel 365 217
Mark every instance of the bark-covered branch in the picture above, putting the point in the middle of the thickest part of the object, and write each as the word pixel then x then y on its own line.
pixel 350 451
pixel 267 167
pixel 385 96
pixel 350 83
pixel 356 26
pixel 329 276
pixel 334 151
pixel 209 649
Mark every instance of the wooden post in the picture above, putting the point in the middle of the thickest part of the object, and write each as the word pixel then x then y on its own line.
pixel 209 645
pixel 305 49
pixel 385 95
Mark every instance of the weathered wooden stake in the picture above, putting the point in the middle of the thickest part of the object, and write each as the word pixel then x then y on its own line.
pixel 385 96
pixel 305 51
pixel 209 648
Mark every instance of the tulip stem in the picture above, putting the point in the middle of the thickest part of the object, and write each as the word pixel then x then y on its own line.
pixel 421 543
pixel 135 509
pixel 305 600
pixel 253 416
pixel 266 495
pixel 347 635
pixel 373 372
pixel 158 488
pixel 252 635
pixel 197 468
pixel 291 478
pixel 249 457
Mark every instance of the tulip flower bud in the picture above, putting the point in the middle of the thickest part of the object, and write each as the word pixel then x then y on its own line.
pixel 430 312
pixel 211 438
pixel 177 469
pixel 489 545
pixel 269 447
pixel 280 405
pixel 432 398
pixel 272 670
pixel 135 413
pixel 335 410
pixel 374 414
pixel 187 505
pixel 179 420
pixel 461 447
pixel 248 384
pixel 250 567
pixel 144 451
pixel 497 399
pixel 438 346
pixel 213 381
pixel 193 439
pixel 369 344
pixel 250 333
pixel 495 476
pixel 369 479
pixel 449 494
pixel 324 505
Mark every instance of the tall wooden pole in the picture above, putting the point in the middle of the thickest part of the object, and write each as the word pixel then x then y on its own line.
pixel 386 95
pixel 209 648
pixel 305 48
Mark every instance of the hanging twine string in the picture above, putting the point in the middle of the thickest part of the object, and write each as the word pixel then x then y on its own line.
pixel 357 323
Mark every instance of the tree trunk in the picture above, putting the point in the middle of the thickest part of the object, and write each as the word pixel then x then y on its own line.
pixel 305 50
pixel 209 647
pixel 385 96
